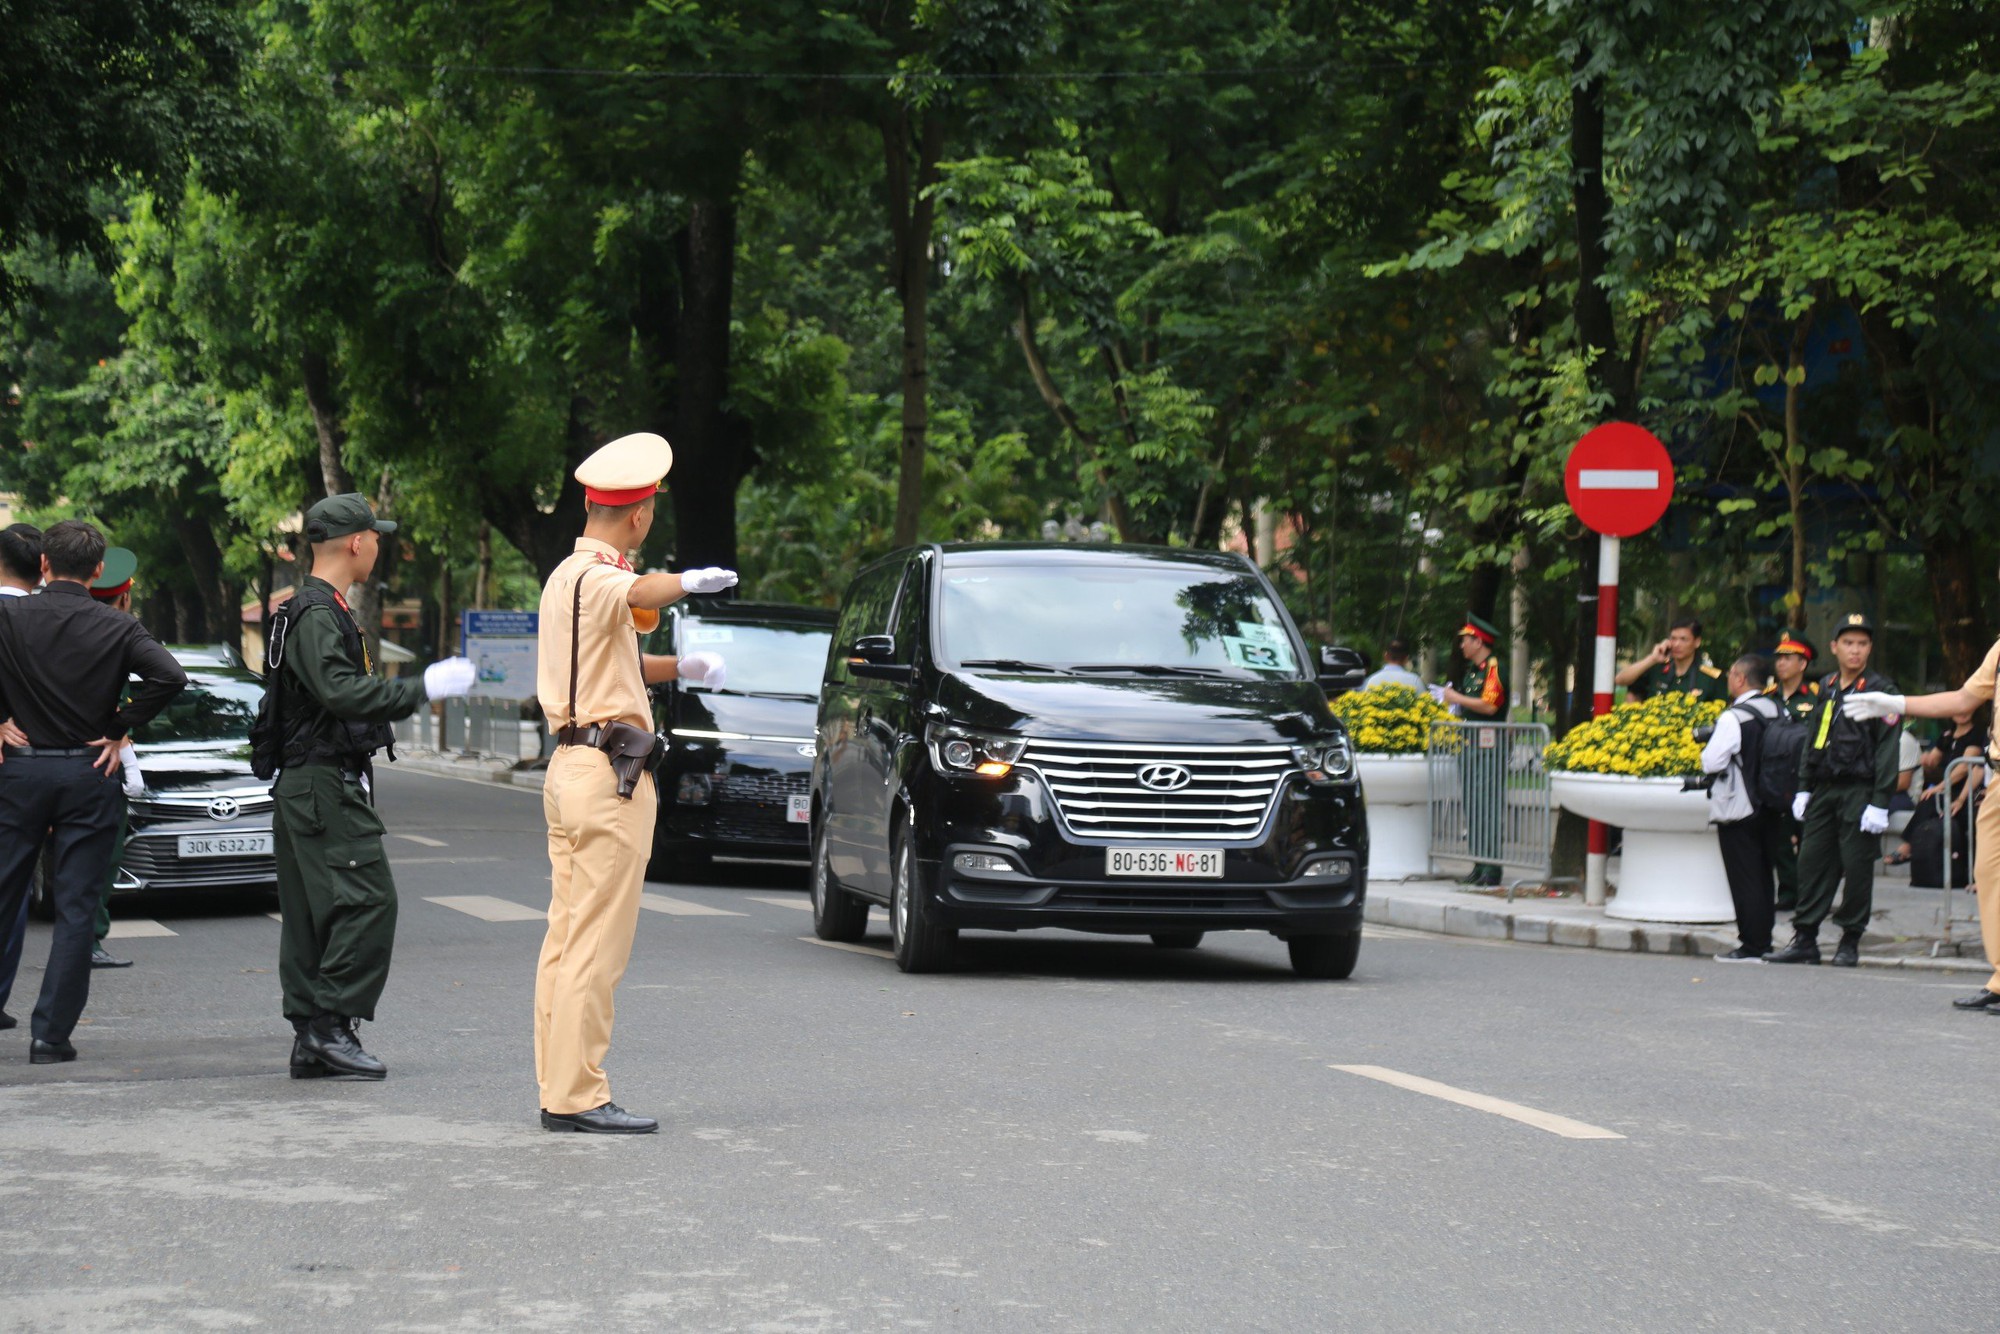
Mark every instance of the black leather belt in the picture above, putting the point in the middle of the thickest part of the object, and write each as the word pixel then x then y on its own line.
pixel 51 752
pixel 592 736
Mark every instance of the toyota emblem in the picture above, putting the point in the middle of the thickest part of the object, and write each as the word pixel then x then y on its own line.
pixel 809 750
pixel 223 808
pixel 1165 777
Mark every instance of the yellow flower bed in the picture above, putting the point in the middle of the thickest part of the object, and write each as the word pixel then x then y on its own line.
pixel 1389 719
pixel 1650 740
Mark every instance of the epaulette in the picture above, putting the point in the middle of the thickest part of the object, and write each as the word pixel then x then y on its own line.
pixel 1710 672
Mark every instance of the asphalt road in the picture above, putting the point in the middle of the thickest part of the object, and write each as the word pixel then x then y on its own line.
pixel 1070 1132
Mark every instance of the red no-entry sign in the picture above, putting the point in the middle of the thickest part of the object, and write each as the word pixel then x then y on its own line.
pixel 1619 479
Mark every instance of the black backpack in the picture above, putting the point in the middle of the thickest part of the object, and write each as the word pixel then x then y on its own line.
pixel 267 730
pixel 1778 752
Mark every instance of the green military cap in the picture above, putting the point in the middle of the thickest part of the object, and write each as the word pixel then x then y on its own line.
pixel 343 516
pixel 1855 621
pixel 1479 628
pixel 119 567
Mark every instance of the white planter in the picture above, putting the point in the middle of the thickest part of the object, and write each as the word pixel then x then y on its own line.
pixel 1672 867
pixel 1396 791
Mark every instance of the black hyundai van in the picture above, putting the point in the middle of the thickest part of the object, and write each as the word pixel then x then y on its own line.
pixel 1107 738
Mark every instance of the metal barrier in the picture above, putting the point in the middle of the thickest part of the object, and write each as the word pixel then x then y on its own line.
pixel 1946 917
pixel 475 725
pixel 1489 797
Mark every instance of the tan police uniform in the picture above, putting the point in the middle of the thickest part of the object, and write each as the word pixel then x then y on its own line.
pixel 1986 832
pixel 598 841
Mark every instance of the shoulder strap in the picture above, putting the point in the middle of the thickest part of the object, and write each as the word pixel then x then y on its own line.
pixel 575 637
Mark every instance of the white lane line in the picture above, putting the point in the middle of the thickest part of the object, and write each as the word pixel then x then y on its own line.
pixel 851 949
pixel 489 909
pixel 682 908
pixel 443 861
pixel 277 917
pixel 775 901
pixel 1513 1111
pixel 135 927
pixel 427 842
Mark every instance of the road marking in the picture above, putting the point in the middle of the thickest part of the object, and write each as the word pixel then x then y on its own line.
pixel 444 861
pixel 427 842
pixel 777 902
pixel 277 917
pixel 875 950
pixel 489 909
pixel 1514 1111
pixel 135 927
pixel 1373 932
pixel 682 908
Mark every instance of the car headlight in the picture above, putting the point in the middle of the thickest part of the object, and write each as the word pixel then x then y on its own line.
pixel 1328 762
pixel 959 752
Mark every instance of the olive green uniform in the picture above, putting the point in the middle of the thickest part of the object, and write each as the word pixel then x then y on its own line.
pixel 1699 680
pixel 1482 768
pixel 1847 766
pixel 335 893
pixel 1781 831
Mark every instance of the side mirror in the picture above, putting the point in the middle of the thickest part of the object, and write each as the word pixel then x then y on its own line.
pixel 1341 669
pixel 874 648
pixel 872 658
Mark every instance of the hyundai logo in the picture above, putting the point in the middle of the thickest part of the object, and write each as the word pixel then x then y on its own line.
pixel 223 808
pixel 1165 777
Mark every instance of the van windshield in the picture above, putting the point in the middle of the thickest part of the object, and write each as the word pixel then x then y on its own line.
pixel 1095 617
pixel 762 659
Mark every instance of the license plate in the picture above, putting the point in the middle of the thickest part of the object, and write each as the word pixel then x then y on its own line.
pixel 225 845
pixel 801 811
pixel 1163 863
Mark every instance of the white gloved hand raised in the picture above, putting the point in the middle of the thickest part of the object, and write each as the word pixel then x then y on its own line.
pixel 708 579
pixel 1874 820
pixel 450 678
pixel 703 669
pixel 1799 805
pixel 128 770
pixel 1867 705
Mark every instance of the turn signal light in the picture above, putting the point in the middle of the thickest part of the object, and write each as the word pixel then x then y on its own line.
pixel 992 769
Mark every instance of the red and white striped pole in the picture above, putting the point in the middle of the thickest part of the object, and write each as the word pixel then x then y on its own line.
pixel 1606 666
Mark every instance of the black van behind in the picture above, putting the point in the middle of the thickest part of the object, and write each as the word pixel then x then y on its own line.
pixel 1113 739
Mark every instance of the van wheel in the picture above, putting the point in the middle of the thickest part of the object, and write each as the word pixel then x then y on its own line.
pixel 1178 940
pixel 921 946
pixel 1329 957
pixel 837 915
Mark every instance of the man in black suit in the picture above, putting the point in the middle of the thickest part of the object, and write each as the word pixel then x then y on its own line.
pixel 20 576
pixel 64 662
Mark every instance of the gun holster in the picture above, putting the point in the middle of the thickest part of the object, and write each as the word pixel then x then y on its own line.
pixel 633 751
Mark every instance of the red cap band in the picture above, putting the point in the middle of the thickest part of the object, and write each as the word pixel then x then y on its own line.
pixel 112 594
pixel 1790 645
pixel 616 498
pixel 1476 633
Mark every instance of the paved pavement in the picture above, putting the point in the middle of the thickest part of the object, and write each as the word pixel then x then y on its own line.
pixel 1067 1133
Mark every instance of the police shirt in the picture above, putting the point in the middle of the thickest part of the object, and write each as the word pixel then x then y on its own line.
pixel 1699 679
pixel 1980 686
pixel 611 682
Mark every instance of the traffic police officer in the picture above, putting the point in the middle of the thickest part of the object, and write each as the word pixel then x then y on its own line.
pixel 599 799
pixel 114 588
pixel 1847 774
pixel 336 896
pixel 1794 691
pixel 1481 693
pixel 1675 667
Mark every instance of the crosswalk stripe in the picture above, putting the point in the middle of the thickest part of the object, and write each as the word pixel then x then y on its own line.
pixel 682 908
pixel 874 950
pixel 1513 1111
pixel 489 909
pixel 427 842
pixel 134 927
pixel 277 917
pixel 777 902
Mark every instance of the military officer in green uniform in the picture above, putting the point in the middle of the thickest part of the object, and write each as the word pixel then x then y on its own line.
pixel 1482 765
pixel 113 587
pixel 1675 666
pixel 1794 690
pixel 1847 775
pixel 332 713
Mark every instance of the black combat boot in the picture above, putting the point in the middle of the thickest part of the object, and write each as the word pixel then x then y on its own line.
pixel 305 1065
pixel 1803 949
pixel 330 1040
pixel 1847 954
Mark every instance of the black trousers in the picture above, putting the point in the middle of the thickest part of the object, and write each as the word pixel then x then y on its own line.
pixel 1746 860
pixel 64 805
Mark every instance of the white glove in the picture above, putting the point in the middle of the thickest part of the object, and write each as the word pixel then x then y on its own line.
pixel 1436 693
pixel 1868 705
pixel 128 770
pixel 709 579
pixel 705 669
pixel 1874 820
pixel 450 678
pixel 1799 805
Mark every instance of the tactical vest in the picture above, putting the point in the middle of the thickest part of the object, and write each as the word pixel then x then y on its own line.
pixel 310 734
pixel 1840 750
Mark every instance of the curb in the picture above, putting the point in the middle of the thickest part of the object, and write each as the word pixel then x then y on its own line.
pixel 1385 907
pixel 471 768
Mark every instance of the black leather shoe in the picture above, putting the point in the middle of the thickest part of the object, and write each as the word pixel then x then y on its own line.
pixel 1847 954
pixel 99 959
pixel 8 1021
pixel 1741 955
pixel 49 1053
pixel 304 1064
pixel 1978 1000
pixel 610 1119
pixel 330 1040
pixel 1803 949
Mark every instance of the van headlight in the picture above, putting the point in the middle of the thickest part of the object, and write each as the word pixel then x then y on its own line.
pixel 1328 762
pixel 959 752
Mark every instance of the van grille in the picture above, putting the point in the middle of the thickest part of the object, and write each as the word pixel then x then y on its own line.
pixel 1097 785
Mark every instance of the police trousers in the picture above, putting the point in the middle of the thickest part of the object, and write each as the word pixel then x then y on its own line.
pixel 1986 878
pixel 335 895
pixel 598 846
pixel 1833 851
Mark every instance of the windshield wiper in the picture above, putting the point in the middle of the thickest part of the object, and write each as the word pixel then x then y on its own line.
pixel 1147 669
pixel 1012 665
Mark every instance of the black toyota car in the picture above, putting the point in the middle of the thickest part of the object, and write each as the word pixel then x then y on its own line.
pixel 1113 739
pixel 739 759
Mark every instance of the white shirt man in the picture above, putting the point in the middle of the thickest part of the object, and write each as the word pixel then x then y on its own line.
pixel 1739 822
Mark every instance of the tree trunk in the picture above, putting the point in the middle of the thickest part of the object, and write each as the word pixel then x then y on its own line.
pixel 1024 332
pixel 482 586
pixel 545 537
pixel 374 589
pixel 318 378
pixel 912 212
pixel 219 618
pixel 445 643
pixel 1956 574
pixel 710 444
pixel 1792 469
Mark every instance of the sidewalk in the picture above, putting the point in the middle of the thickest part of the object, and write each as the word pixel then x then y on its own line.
pixel 477 768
